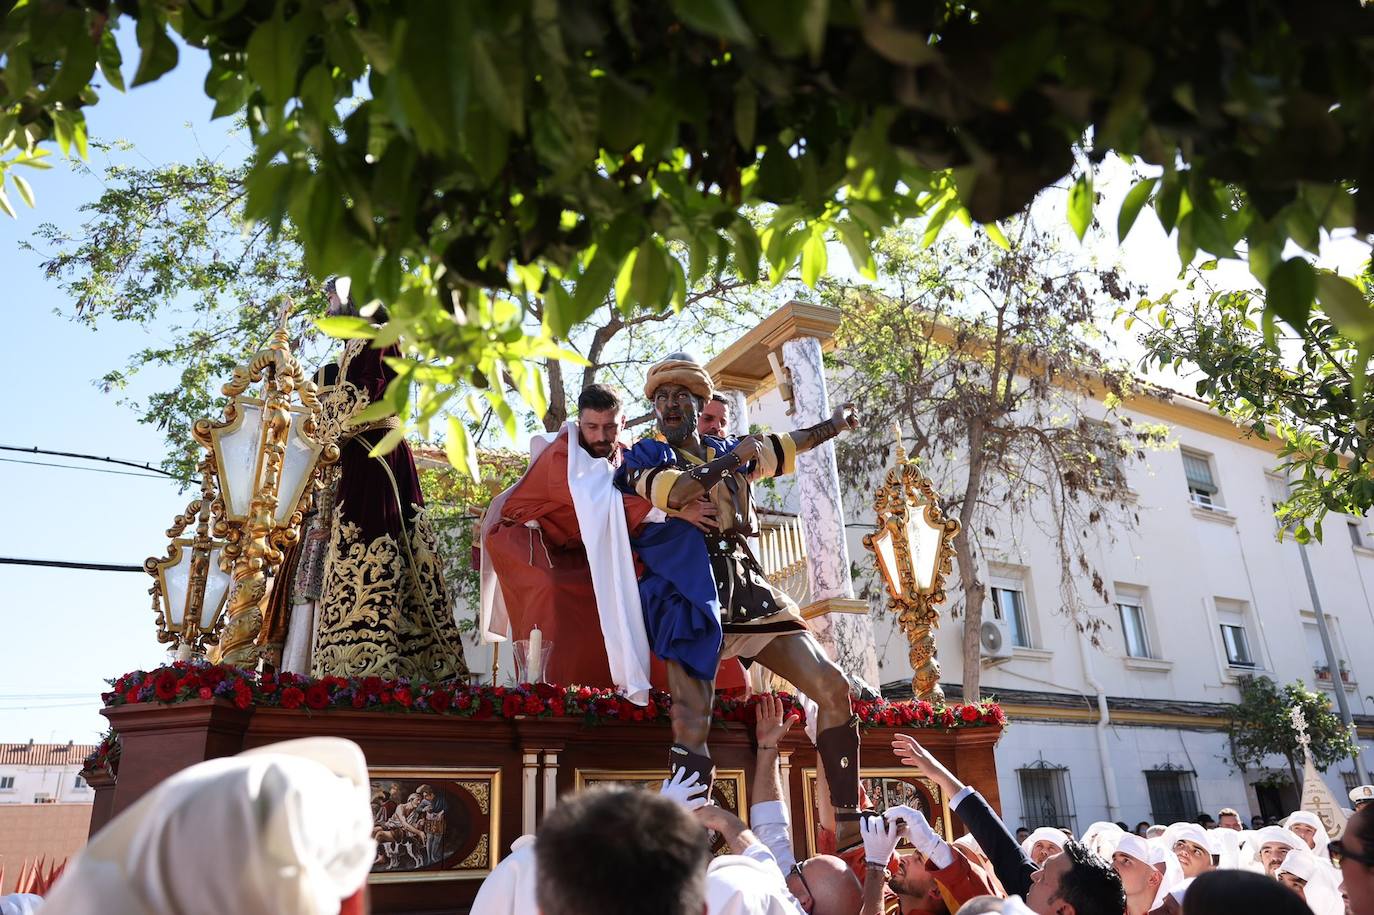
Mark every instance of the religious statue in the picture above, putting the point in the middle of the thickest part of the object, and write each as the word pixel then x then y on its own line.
pixel 368 557
pixel 705 597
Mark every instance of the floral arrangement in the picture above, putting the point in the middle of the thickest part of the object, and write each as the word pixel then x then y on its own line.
pixel 184 681
pixel 105 758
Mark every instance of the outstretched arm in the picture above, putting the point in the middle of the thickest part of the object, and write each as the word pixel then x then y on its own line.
pixel 842 420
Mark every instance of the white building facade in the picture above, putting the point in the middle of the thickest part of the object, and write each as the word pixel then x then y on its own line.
pixel 1202 593
pixel 44 773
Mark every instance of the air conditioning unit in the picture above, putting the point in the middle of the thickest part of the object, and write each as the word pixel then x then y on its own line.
pixel 994 640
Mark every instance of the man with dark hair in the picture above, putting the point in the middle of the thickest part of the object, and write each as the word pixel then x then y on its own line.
pixel 1076 882
pixel 1205 821
pixel 715 417
pixel 555 555
pixel 618 851
pixel 1356 851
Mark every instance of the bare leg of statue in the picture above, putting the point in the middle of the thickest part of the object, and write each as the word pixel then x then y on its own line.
pixel 800 659
pixel 691 715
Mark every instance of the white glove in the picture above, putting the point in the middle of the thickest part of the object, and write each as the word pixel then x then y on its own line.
pixel 918 832
pixel 686 788
pixel 880 839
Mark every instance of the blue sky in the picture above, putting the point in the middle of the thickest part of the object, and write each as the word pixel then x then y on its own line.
pixel 66 631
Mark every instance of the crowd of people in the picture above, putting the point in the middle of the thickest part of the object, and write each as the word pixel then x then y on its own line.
pixel 289 829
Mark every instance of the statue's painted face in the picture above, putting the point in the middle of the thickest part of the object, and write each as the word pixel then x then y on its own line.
pixel 675 408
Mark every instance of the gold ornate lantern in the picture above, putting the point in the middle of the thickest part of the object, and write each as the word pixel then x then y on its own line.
pixel 914 549
pixel 191 581
pixel 266 453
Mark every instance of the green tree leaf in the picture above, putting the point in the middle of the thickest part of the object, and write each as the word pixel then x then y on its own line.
pixel 715 17
pixel 1130 206
pixel 1345 303
pixel 274 53
pixel 159 52
pixel 24 190
pixel 1081 205
pixel 1292 286
pixel 814 258
pixel 110 59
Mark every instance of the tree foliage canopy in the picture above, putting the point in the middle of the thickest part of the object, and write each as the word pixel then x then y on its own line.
pixel 991 363
pixel 438 151
pixel 1261 725
pixel 1305 391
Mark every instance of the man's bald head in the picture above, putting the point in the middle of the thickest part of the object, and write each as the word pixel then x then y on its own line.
pixel 828 885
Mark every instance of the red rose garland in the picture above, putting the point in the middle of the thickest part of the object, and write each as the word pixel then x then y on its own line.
pixel 185 681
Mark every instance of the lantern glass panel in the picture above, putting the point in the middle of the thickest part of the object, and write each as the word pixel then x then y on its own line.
pixel 238 460
pixel 176 580
pixel 923 541
pixel 217 583
pixel 887 560
pixel 297 461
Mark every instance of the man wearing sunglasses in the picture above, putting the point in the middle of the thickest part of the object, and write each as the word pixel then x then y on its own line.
pixel 1355 849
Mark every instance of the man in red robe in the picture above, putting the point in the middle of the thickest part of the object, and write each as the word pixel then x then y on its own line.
pixel 535 548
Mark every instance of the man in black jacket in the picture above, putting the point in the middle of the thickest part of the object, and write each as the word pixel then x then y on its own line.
pixel 1073 882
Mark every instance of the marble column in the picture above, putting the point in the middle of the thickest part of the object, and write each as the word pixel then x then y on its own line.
pixel 847 636
pixel 739 411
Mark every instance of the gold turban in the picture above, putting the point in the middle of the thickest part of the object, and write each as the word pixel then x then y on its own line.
pixel 685 372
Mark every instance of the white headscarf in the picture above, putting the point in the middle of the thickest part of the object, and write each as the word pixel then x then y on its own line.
pixel 1250 848
pixel 509 889
pixel 20 904
pixel 737 885
pixel 1226 846
pixel 1307 818
pixel 1102 837
pixel 285 829
pixel 1323 884
pixel 1045 834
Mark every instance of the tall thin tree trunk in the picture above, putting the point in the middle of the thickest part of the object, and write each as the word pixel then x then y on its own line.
pixel 969 581
pixel 558 397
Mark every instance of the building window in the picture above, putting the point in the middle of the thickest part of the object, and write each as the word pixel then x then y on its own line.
pixel 1009 606
pixel 44 799
pixel 1173 794
pixel 6 782
pixel 1235 637
pixel 1357 535
pixel 1133 627
pixel 1202 487
pixel 1106 451
pixel 1046 796
pixel 79 784
pixel 1352 781
pixel 1237 646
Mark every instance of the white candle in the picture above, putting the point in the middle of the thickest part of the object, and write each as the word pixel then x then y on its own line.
pixel 801 538
pixel 788 550
pixel 536 655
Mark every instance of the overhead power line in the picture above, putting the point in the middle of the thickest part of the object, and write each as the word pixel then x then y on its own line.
pixel 64 564
pixel 149 469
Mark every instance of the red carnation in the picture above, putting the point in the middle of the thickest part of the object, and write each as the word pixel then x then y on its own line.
pixel 439 700
pixel 165 686
pixel 359 700
pixel 131 695
pixel 947 718
pixel 372 685
pixel 316 696
pixel 213 676
pixel 384 697
pixel 970 713
pixel 206 692
pixel 465 702
pixel 269 684
pixel 402 696
pixel 558 707
pixel 291 697
pixel 484 710
pixel 534 705
pixel 511 706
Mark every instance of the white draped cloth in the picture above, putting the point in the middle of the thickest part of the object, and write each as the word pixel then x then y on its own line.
pixel 601 523
pixel 286 829
pixel 509 889
pixel 1322 889
pixel 1250 848
pixel 1307 818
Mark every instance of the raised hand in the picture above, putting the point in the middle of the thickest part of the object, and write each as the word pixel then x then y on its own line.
pixel 846 417
pixel 748 448
pixel 686 788
pixel 880 837
pixel 769 725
